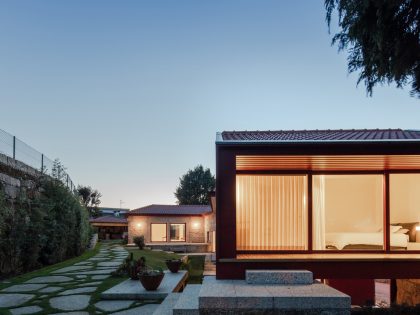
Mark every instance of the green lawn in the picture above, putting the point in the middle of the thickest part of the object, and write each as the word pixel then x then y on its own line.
pixel 156 259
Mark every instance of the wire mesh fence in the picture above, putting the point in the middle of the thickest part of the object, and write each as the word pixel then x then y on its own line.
pixel 20 151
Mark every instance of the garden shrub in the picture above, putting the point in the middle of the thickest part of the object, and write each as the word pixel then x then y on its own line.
pixel 41 228
pixel 139 241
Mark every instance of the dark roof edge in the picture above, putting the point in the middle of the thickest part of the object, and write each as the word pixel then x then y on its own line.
pixel 239 142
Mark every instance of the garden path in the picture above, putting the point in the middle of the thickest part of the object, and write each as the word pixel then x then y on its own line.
pixel 74 289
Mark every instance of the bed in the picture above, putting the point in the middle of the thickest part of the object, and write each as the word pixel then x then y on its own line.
pixel 344 240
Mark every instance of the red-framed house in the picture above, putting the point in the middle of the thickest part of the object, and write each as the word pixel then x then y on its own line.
pixel 344 204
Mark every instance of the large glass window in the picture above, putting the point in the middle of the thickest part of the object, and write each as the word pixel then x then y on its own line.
pixel 404 211
pixel 348 212
pixel 177 232
pixel 158 232
pixel 271 212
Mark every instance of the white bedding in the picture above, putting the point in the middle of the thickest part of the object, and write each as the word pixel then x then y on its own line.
pixel 340 240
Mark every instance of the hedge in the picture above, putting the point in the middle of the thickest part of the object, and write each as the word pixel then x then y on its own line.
pixel 41 227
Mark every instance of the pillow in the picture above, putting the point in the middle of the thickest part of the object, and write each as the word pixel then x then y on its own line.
pixel 395 228
pixel 402 231
pixel 412 229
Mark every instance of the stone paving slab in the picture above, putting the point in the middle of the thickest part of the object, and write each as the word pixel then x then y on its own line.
pixel 26 310
pixel 109 264
pixel 24 287
pixel 89 284
pixel 115 305
pixel 100 277
pixel 70 303
pixel 71 313
pixel 78 291
pixel 14 299
pixel 91 272
pixel 141 310
pixel 49 279
pixel 133 290
pixel 71 268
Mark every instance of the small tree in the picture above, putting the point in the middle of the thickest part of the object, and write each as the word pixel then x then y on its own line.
pixel 195 186
pixel 90 199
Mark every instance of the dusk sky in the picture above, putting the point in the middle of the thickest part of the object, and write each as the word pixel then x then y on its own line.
pixel 129 95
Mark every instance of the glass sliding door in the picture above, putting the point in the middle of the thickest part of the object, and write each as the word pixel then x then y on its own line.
pixel 271 212
pixel 348 212
pixel 404 211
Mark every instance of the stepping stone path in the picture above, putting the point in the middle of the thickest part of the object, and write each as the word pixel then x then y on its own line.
pixel 68 290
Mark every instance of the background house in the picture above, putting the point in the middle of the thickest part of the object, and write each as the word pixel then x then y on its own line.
pixel 111 224
pixel 187 228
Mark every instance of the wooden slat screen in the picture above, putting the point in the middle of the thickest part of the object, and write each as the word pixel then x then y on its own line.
pixel 327 162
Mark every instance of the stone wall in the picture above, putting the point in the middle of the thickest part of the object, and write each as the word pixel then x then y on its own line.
pixel 140 225
pixel 408 291
pixel 15 175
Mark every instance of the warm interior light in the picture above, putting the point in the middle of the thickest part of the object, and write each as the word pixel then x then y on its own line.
pixel 418 228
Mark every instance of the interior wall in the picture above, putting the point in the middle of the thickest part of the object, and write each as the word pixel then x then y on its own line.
pixel 354 203
pixel 404 198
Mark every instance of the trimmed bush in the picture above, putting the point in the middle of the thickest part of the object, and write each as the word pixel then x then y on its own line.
pixel 139 241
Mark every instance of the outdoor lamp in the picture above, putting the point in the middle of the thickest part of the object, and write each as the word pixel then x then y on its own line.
pixel 139 225
pixel 196 225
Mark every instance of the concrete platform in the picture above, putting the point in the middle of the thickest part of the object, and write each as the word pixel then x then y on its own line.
pixel 168 304
pixel 187 304
pixel 237 296
pixel 133 290
pixel 279 277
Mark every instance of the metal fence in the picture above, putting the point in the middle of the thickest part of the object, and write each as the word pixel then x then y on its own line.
pixel 20 151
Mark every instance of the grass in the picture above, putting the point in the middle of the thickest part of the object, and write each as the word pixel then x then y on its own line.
pixel 156 259
pixel 195 269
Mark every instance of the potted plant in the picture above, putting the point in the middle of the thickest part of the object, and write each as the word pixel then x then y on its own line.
pixel 173 264
pixel 150 278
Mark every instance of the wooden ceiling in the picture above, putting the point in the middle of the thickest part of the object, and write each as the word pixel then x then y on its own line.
pixel 327 162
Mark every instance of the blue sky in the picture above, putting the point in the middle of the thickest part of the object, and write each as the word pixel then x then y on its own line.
pixel 130 94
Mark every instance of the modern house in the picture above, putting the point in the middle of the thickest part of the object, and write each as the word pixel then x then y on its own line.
pixel 184 228
pixel 344 204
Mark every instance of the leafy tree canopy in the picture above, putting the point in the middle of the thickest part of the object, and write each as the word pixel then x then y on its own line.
pixel 195 186
pixel 90 198
pixel 382 38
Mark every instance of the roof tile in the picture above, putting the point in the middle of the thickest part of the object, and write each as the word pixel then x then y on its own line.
pixel 322 135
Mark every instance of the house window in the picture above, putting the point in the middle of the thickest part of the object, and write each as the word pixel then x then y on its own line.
pixel 158 232
pixel 177 232
pixel 404 211
pixel 271 212
pixel 348 212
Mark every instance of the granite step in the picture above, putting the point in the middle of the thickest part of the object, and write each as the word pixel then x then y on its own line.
pixel 167 306
pixel 287 277
pixel 188 301
pixel 218 297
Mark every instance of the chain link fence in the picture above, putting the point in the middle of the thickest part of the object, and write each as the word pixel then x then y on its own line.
pixel 20 151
